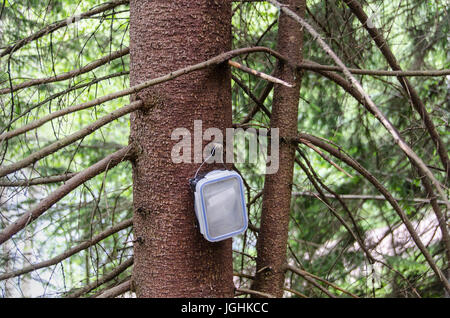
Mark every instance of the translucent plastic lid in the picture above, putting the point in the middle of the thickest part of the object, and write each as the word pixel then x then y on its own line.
pixel 223 207
pixel 220 205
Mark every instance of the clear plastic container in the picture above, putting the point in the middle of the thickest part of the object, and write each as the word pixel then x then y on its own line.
pixel 220 205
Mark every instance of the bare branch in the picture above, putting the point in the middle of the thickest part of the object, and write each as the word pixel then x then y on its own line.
pixel 355 165
pixel 253 292
pixel 284 288
pixel 37 181
pixel 328 160
pixel 357 236
pixel 68 90
pixel 269 78
pixel 87 174
pixel 318 286
pixel 370 104
pixel 322 197
pixel 313 66
pixel 31 159
pixel 134 89
pixel 60 24
pixel 61 77
pixel 55 260
pixel 257 101
pixel 304 273
pixel 341 81
pixel 106 278
pixel 295 292
pixel 116 290
pixel 416 102
pixel 434 202
pixel 363 197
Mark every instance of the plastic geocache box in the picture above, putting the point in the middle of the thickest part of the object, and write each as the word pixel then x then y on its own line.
pixel 220 204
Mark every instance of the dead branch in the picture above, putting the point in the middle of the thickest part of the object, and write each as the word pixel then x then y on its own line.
pixel 441 218
pixel 256 100
pixel 295 292
pixel 363 197
pixel 434 202
pixel 106 163
pixel 322 197
pixel 284 288
pixel 48 150
pixel 55 260
pixel 134 89
pixel 64 92
pixel 106 278
pixel 37 181
pixel 341 81
pixel 303 273
pixel 313 66
pixel 64 76
pixel 253 292
pixel 370 104
pixel 318 286
pixel 356 236
pixel 327 71
pixel 60 24
pixel 262 75
pixel 325 157
pixel 416 102
pixel 366 174
pixel 116 290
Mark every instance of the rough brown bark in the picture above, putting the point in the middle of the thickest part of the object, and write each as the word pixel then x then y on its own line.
pixel 172 259
pixel 276 204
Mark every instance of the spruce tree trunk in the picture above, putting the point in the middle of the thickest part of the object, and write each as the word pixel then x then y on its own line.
pixel 171 257
pixel 272 239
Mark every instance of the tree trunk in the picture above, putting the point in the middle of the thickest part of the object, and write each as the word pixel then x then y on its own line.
pixel 272 239
pixel 172 259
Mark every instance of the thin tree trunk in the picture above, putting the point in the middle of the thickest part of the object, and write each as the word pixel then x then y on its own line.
pixel 272 239
pixel 172 259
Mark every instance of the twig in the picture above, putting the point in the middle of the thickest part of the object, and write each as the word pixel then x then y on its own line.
pixel 253 292
pixel 68 90
pixel 313 66
pixel 369 103
pixel 341 81
pixel 70 139
pixel 328 159
pixel 55 260
pixel 416 102
pixel 117 290
pixel 322 197
pixel 303 273
pixel 295 292
pixel 64 76
pixel 366 174
pixel 259 104
pixel 364 197
pixel 258 73
pixel 134 89
pixel 87 174
pixel 106 278
pixel 37 181
pixel 318 286
pixel 60 24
